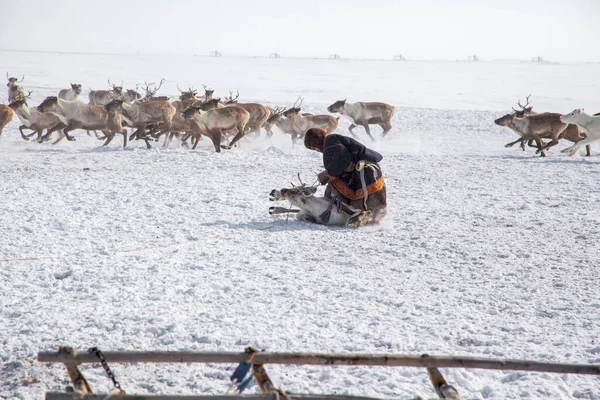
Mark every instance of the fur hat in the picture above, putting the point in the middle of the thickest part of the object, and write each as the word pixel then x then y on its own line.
pixel 313 139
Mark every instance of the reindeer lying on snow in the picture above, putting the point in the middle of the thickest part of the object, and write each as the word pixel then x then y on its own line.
pixel 318 210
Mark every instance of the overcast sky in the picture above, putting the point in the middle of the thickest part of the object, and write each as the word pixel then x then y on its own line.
pixel 557 30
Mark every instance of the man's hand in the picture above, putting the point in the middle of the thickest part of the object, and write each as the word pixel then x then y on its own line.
pixel 323 178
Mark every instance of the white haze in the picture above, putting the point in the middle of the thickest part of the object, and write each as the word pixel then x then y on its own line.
pixel 557 30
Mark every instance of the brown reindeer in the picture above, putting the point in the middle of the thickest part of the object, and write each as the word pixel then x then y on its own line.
pixel 302 123
pixel 78 115
pixel 365 114
pixel 6 115
pixel 259 114
pixel 35 120
pixel 154 115
pixel 15 91
pixel 285 125
pixel 531 126
pixel 103 97
pixel 215 122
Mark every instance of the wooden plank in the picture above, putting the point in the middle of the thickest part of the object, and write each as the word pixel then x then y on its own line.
pixel 325 359
pixel 70 396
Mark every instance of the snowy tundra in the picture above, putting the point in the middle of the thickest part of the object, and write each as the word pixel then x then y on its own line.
pixel 486 251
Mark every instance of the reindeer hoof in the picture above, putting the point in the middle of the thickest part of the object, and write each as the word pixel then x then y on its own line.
pixel 71 139
pixel 225 147
pixel 362 219
pixel 274 196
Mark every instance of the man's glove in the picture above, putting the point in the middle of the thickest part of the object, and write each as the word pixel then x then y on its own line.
pixel 323 178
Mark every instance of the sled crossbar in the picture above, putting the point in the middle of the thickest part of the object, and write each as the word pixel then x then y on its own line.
pixel 82 391
pixel 322 359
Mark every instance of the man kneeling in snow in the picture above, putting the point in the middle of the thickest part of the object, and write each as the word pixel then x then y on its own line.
pixel 352 172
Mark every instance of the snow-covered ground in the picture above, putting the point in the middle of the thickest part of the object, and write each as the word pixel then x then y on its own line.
pixel 486 251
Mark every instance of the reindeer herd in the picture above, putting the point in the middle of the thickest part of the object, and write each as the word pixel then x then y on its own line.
pixel 187 116
pixel 190 116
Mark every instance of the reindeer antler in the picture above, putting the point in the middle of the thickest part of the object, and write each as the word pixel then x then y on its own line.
pixel 29 94
pixel 296 105
pixel 22 79
pixel 523 107
pixel 230 99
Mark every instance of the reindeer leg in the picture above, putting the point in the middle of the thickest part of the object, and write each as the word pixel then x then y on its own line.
pixel 237 137
pixel 352 126
pixel 366 126
pixel 23 135
pixel 62 133
pixel 109 137
pixel 521 140
pixel 588 150
pixel 216 137
pixel 386 126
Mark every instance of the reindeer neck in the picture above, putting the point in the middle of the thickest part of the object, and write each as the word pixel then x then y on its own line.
pixel 24 112
pixel 584 119
pixel 519 125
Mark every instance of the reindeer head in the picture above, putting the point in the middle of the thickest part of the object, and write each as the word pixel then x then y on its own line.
pixel 190 112
pixel 151 88
pixel 12 81
pixel 295 109
pixel 189 96
pixel 231 99
pixel 572 117
pixel 209 104
pixel 337 107
pixel 505 120
pixel 76 88
pixel 208 92
pixel 117 89
pixel 131 95
pixel 299 193
pixel 114 105
pixel 48 105
pixel 276 116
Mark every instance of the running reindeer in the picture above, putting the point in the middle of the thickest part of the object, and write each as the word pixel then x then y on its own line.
pixel 318 210
pixel 365 114
pixel 32 119
pixel 589 123
pixel 532 127
pixel 301 123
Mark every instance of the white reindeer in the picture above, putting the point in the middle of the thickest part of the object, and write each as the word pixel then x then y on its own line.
pixel 318 210
pixel 72 93
pixel 590 125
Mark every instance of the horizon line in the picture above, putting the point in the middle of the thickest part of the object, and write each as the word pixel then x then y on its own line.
pixel 333 57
